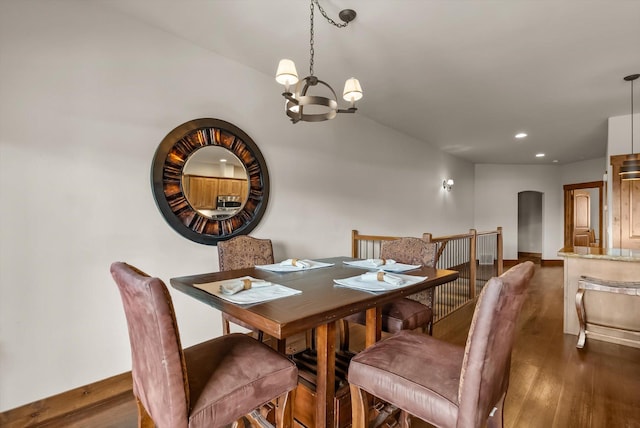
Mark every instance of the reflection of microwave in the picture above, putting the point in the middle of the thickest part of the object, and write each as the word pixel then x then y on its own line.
pixel 228 202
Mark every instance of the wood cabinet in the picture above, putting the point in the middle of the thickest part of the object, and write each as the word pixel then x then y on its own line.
pixel 625 209
pixel 202 192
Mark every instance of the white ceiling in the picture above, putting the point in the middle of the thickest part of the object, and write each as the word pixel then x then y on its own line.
pixel 462 75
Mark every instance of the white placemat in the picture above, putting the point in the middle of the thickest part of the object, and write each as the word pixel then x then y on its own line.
pixel 392 267
pixel 253 295
pixel 278 267
pixel 359 283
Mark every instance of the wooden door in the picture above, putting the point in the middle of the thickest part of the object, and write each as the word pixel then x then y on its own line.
pixel 625 201
pixel 577 213
pixel 582 210
pixel 581 218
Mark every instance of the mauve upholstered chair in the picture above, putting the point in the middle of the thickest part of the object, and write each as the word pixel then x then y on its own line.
pixel 409 313
pixel 242 252
pixel 444 384
pixel 211 384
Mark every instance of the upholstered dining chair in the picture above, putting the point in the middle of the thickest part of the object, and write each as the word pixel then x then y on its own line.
pixel 441 383
pixel 211 384
pixel 409 313
pixel 242 252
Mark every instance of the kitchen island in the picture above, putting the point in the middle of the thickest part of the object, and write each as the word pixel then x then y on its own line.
pixel 611 317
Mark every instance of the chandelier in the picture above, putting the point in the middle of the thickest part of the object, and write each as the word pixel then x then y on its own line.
pixel 630 169
pixel 301 105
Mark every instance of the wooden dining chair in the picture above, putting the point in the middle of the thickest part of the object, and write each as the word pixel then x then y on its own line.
pixel 441 383
pixel 211 384
pixel 243 252
pixel 409 313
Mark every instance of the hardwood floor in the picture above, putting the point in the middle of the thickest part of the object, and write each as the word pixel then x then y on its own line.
pixel 553 384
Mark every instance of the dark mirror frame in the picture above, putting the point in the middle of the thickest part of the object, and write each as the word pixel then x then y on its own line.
pixel 166 180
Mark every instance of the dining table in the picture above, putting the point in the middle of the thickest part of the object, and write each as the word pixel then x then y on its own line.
pixel 319 305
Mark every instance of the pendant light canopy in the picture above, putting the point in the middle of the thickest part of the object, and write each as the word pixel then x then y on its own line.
pixel 301 105
pixel 630 169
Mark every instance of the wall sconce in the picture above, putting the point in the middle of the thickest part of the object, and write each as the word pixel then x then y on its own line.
pixel 447 184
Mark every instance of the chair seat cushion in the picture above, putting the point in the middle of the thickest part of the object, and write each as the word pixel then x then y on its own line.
pixel 231 375
pixel 401 314
pixel 398 369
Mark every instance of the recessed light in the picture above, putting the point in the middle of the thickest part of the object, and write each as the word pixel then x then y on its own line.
pixel 223 160
pixel 555 161
pixel 521 135
pixel 539 155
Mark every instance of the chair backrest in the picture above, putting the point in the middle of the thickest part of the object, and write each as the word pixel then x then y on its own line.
pixel 412 251
pixel 158 365
pixel 242 252
pixel 487 357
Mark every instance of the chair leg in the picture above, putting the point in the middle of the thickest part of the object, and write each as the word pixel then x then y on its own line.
pixel 359 408
pixel 238 424
pixel 310 339
pixel 344 336
pixel 496 419
pixel 430 328
pixel 225 326
pixel 144 419
pixel 404 419
pixel 257 420
pixel 284 409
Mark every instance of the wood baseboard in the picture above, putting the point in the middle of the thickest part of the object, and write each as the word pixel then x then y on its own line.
pixel 57 406
pixel 524 254
pixel 506 264
pixel 544 263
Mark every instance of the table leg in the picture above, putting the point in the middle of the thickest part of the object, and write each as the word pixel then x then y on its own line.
pixel 374 326
pixel 281 346
pixel 326 378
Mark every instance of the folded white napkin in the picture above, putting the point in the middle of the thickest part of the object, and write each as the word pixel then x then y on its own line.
pixel 380 262
pixel 235 286
pixel 382 277
pixel 296 262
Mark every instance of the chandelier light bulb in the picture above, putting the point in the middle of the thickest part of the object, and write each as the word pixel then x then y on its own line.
pixel 287 74
pixel 352 90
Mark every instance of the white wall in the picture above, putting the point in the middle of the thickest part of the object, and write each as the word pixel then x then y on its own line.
pixel 496 203
pixel 583 172
pixel 496 199
pixel 619 135
pixel 86 97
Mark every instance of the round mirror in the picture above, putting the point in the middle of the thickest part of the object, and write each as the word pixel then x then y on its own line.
pixel 214 181
pixel 202 197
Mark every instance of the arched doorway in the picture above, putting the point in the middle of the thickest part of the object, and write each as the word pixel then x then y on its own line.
pixel 530 226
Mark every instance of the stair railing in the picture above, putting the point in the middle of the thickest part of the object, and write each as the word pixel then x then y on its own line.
pixel 477 256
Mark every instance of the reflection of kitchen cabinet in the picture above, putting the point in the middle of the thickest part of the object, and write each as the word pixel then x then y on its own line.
pixel 232 187
pixel 202 192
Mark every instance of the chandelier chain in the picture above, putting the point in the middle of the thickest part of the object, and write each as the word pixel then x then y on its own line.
pixel 311 32
pixel 311 50
pixel 331 21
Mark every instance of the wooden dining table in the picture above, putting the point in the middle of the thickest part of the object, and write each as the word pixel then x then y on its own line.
pixel 318 307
